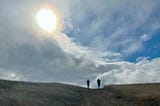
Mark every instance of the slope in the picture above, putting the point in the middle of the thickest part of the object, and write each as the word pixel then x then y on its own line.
pixel 13 93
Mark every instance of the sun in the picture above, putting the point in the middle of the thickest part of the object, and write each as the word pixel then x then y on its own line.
pixel 47 20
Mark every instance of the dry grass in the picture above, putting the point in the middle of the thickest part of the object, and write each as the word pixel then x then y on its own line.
pixel 138 94
pixel 14 93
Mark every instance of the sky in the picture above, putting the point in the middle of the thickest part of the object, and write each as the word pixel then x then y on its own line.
pixel 114 40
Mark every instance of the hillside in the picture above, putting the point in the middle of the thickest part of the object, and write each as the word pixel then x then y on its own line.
pixel 14 93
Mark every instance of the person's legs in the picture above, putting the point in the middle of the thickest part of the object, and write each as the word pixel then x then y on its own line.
pixel 98 86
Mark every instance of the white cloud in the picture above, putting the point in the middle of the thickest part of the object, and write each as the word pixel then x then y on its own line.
pixel 114 25
pixel 9 75
pixel 142 59
pixel 28 55
pixel 133 47
pixel 141 72
pixel 145 37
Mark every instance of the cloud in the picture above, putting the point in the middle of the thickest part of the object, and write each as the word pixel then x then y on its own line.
pixel 113 25
pixel 31 56
pixel 144 37
pixel 144 71
pixel 93 51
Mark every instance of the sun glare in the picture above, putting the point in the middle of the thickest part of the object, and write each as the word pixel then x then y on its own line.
pixel 47 20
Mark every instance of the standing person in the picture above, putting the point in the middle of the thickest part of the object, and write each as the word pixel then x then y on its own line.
pixel 88 83
pixel 99 83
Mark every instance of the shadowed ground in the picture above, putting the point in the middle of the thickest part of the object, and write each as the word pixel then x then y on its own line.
pixel 14 93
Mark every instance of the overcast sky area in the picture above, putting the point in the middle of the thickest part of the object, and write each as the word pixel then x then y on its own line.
pixel 117 41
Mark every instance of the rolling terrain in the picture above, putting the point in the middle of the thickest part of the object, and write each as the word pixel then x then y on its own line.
pixel 13 93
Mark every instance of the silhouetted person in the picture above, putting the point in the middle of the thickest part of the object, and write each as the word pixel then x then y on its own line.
pixel 88 83
pixel 99 83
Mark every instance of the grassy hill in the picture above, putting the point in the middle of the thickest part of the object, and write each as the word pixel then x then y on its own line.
pixel 14 93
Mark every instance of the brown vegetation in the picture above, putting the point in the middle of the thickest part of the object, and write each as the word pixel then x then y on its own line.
pixel 14 93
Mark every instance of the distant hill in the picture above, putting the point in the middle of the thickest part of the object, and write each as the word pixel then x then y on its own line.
pixel 14 93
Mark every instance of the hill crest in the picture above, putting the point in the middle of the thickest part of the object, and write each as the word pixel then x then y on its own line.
pixel 14 93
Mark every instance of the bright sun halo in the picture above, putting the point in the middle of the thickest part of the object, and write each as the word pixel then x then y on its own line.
pixel 47 20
